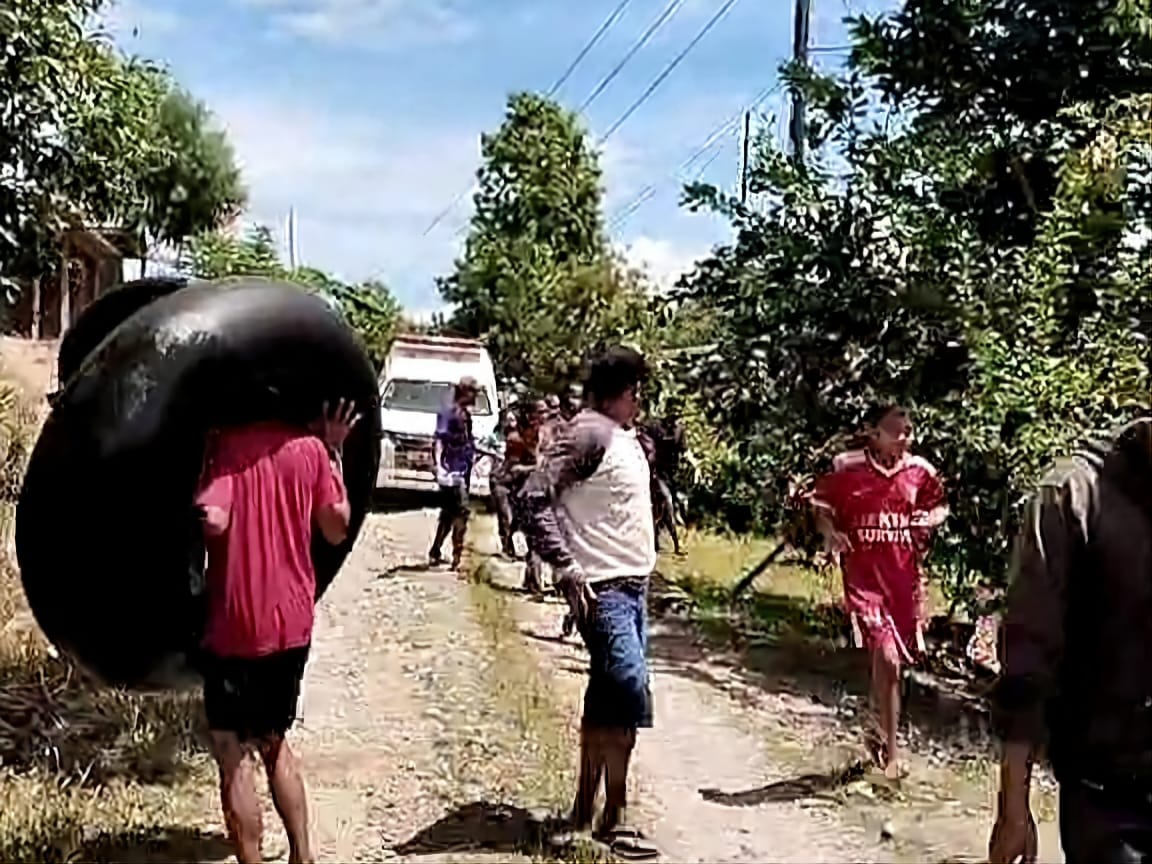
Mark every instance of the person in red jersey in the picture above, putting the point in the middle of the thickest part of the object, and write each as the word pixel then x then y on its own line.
pixel 264 487
pixel 877 510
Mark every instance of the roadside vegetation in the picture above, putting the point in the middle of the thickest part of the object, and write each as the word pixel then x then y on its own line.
pixel 81 766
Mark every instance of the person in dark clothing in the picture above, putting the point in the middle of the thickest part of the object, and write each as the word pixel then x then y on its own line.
pixel 671 448
pixel 1076 679
pixel 519 461
pixel 454 452
pixel 664 505
pixel 501 490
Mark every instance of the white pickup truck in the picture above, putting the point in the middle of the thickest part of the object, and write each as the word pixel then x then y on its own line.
pixel 417 381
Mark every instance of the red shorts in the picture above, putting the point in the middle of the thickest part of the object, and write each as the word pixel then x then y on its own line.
pixel 883 600
pixel 875 628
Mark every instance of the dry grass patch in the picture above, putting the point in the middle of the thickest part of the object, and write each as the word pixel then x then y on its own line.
pixel 85 771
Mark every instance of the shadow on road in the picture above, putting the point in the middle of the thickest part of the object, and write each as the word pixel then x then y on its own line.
pixel 482 826
pixel 798 652
pixel 162 845
pixel 782 791
pixel 408 567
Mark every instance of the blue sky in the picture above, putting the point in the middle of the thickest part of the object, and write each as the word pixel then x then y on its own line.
pixel 365 115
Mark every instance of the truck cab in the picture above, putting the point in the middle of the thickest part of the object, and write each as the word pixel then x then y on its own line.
pixel 418 379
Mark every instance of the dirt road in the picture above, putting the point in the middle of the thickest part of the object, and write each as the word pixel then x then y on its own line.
pixel 439 724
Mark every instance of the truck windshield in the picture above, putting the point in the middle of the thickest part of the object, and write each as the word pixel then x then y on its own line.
pixel 427 397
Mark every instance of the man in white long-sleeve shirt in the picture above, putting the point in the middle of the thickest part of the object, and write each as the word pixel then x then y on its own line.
pixel 590 513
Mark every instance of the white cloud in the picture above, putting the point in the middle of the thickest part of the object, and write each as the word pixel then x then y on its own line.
pixel 368 23
pixel 663 262
pixel 364 190
pixel 126 19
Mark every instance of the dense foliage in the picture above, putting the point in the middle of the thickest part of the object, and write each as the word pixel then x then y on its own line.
pixel 369 307
pixel 970 235
pixel 984 259
pixel 90 136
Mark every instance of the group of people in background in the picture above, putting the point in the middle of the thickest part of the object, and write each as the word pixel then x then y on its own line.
pixel 529 432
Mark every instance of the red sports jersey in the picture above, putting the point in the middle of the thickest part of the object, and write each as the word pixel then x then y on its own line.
pixel 886 515
pixel 270 479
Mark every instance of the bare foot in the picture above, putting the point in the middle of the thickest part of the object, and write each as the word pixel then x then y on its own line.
pixel 895 771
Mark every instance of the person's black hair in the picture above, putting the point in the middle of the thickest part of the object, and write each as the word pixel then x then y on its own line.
pixel 877 412
pixel 613 373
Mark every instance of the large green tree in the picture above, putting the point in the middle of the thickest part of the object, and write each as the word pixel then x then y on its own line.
pixel 536 278
pixel 92 136
pixel 192 185
pixel 980 260
pixel 52 76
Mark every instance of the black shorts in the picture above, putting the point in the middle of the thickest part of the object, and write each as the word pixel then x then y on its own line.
pixel 253 697
pixel 454 502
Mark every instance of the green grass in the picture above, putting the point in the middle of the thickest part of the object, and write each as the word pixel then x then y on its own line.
pixel 788 600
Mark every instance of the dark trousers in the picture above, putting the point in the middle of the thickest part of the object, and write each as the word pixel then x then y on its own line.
pixel 505 515
pixel 664 511
pixel 1105 826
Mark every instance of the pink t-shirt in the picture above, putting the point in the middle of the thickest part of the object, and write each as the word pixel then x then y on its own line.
pixel 886 514
pixel 270 479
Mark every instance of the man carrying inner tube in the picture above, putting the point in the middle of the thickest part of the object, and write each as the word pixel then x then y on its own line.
pixel 454 451
pixel 263 487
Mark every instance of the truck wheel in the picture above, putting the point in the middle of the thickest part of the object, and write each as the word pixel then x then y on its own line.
pixel 108 546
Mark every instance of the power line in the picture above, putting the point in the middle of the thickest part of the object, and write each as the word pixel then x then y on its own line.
pixel 715 19
pixel 650 190
pixel 663 18
pixel 717 132
pixel 596 37
pixel 715 135
pixel 607 25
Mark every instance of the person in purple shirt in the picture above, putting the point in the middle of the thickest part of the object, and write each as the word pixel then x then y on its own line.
pixel 453 454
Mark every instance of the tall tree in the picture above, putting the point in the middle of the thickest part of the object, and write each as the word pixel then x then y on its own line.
pixel 91 135
pixel 193 185
pixel 536 254
pixel 979 261
pixel 51 77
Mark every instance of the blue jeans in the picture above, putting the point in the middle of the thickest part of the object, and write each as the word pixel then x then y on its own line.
pixel 618 694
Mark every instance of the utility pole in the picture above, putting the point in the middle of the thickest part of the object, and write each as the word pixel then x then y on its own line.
pixel 744 157
pixel 799 126
pixel 293 240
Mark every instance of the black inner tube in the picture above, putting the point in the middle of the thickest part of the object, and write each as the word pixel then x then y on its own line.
pixel 104 315
pixel 106 539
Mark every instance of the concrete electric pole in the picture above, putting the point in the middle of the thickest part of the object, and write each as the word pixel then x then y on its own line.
pixel 744 148
pixel 798 130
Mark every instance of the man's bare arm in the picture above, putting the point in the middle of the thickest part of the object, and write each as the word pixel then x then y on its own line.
pixel 334 519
